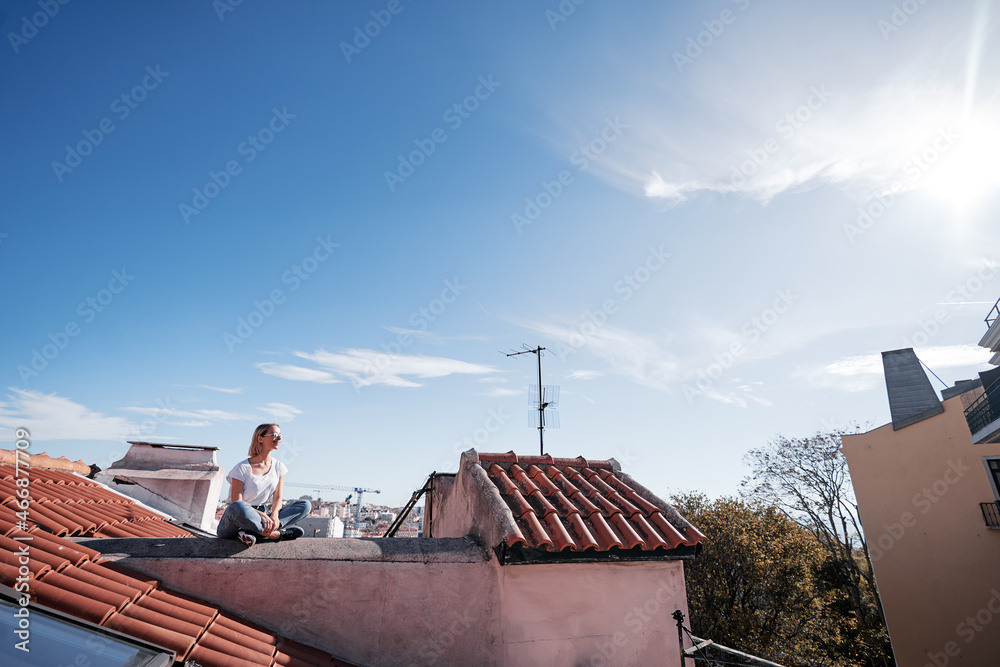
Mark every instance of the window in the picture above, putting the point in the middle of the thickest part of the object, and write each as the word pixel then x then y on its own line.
pixel 993 468
pixel 59 641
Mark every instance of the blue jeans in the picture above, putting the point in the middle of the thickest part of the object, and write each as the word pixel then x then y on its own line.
pixel 242 516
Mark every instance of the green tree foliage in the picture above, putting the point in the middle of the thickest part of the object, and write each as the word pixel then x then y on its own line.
pixel 758 585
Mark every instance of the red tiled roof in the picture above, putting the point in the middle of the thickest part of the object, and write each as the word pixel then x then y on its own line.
pixel 75 580
pixel 575 504
pixel 67 504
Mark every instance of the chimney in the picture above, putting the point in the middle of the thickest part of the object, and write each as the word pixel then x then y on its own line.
pixel 911 396
pixel 183 481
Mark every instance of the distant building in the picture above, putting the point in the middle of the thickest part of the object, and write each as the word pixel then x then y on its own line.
pixel 322 526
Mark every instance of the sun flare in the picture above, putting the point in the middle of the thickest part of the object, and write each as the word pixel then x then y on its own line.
pixel 967 170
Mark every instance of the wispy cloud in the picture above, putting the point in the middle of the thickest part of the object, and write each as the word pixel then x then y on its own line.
pixel 863 372
pixel 430 336
pixel 365 367
pixel 52 417
pixel 225 390
pixel 643 359
pixel 814 121
pixel 297 373
pixel 205 416
pixel 503 391
pixel 737 393
pixel 281 412
pixel 584 375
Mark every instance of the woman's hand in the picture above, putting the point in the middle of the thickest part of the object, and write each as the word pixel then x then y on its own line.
pixel 268 523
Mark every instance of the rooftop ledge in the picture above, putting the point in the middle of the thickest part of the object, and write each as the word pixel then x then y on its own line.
pixel 377 549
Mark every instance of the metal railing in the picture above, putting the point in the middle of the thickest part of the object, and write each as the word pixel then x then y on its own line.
pixel 984 410
pixel 994 314
pixel 991 514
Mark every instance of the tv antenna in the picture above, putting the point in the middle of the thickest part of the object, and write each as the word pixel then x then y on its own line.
pixel 546 398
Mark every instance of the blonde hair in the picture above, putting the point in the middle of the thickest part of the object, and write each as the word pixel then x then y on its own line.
pixel 255 444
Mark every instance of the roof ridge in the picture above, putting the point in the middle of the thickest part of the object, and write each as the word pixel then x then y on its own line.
pixel 546 459
pixel 20 457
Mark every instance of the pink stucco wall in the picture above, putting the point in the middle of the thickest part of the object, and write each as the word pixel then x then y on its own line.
pixel 936 563
pixel 445 611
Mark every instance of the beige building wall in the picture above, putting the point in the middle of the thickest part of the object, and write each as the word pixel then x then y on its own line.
pixel 936 563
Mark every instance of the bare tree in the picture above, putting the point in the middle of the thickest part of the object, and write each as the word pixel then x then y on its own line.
pixel 808 479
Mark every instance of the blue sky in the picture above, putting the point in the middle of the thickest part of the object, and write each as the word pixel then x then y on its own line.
pixel 715 216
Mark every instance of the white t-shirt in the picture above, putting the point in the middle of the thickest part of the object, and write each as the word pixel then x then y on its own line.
pixel 257 489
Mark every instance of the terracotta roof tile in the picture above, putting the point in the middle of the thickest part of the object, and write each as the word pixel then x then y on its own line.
pixel 73 579
pixel 101 594
pixel 582 537
pixel 121 575
pixel 55 560
pixel 179 642
pixel 306 655
pixel 131 593
pixel 578 505
pixel 244 627
pixel 249 655
pixel 75 553
pixel 260 644
pixel 67 504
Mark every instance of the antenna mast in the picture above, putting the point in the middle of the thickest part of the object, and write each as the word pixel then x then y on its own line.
pixel 542 403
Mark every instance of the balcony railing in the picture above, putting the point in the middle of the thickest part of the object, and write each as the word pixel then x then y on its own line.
pixel 994 314
pixel 991 514
pixel 984 410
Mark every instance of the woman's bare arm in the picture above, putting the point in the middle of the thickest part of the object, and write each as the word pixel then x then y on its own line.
pixel 236 491
pixel 276 500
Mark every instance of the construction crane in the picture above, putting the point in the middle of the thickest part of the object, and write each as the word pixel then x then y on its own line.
pixel 333 487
